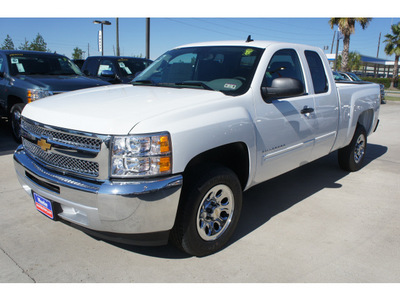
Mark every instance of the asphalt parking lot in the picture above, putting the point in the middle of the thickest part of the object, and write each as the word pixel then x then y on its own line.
pixel 314 224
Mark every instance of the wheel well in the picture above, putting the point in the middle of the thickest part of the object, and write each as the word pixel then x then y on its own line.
pixel 11 100
pixel 233 156
pixel 366 119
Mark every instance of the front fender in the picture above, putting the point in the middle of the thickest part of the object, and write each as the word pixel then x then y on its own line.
pixel 200 128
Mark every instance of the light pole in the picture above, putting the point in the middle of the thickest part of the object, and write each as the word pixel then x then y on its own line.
pixel 117 22
pixel 102 39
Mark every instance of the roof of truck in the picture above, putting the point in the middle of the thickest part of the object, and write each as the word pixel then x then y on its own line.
pixel 257 44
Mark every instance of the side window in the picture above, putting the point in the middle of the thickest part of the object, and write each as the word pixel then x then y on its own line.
pixel 284 63
pixel 105 65
pixel 90 67
pixel 317 72
pixel 1 64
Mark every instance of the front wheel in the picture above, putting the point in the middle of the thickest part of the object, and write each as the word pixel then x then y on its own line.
pixel 15 121
pixel 351 158
pixel 209 212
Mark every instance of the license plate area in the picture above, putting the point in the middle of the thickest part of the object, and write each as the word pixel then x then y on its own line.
pixel 46 206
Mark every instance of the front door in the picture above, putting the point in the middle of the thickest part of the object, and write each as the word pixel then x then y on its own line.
pixel 285 127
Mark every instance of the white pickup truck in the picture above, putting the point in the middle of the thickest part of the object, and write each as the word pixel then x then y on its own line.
pixel 167 157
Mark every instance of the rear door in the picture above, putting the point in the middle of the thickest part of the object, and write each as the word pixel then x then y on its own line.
pixel 326 105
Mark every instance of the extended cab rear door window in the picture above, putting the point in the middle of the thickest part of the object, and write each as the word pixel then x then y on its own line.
pixel 317 70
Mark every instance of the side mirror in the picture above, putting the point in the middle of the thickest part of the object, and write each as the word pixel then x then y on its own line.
pixel 108 73
pixel 282 87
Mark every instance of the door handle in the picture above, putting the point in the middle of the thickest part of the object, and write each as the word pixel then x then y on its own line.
pixel 307 110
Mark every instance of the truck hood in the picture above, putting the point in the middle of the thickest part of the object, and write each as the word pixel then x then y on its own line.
pixel 113 109
pixel 61 83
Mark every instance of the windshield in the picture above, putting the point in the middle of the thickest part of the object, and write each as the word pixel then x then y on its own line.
pixel 131 66
pixel 220 68
pixel 37 64
pixel 354 77
pixel 337 76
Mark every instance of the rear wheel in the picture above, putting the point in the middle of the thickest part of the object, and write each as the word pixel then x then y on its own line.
pixel 351 158
pixel 209 212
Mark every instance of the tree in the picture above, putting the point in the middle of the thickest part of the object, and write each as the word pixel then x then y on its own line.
pixel 347 27
pixel 77 54
pixel 38 44
pixel 393 47
pixel 8 44
pixel 24 46
pixel 354 61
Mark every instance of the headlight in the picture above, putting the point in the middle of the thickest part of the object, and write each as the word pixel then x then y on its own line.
pixel 35 94
pixel 141 155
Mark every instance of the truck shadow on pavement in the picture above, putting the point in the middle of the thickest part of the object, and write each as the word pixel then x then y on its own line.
pixel 268 199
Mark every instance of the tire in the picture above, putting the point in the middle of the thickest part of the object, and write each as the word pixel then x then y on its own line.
pixel 15 121
pixel 209 212
pixel 351 158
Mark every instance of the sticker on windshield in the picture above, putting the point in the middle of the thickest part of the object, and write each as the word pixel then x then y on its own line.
pixel 14 60
pixel 231 86
pixel 248 52
pixel 20 68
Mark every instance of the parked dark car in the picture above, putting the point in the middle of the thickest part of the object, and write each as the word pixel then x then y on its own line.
pixel 114 69
pixel 353 77
pixel 27 76
pixel 79 62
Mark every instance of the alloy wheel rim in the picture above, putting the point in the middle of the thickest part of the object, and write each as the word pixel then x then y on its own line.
pixel 359 149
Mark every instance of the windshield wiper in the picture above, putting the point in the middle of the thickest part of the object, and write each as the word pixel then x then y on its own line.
pixel 195 83
pixel 170 84
pixel 144 81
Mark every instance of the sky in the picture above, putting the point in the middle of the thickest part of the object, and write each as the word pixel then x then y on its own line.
pixel 168 28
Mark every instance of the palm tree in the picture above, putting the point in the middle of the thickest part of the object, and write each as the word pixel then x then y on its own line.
pixel 393 47
pixel 347 27
pixel 354 61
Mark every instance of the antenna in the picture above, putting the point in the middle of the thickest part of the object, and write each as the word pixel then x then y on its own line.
pixel 249 39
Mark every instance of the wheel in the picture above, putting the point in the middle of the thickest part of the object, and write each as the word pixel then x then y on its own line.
pixel 209 212
pixel 351 158
pixel 15 121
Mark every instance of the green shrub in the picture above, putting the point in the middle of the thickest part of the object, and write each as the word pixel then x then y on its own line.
pixel 384 81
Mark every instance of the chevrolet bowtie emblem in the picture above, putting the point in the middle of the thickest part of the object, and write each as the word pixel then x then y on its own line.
pixel 44 145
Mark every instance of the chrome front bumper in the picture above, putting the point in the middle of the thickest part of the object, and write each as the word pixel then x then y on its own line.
pixel 112 206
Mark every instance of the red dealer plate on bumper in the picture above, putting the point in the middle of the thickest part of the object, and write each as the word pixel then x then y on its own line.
pixel 44 206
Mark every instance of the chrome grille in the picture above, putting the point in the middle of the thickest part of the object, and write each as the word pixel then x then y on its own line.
pixel 58 161
pixel 60 137
pixel 68 151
